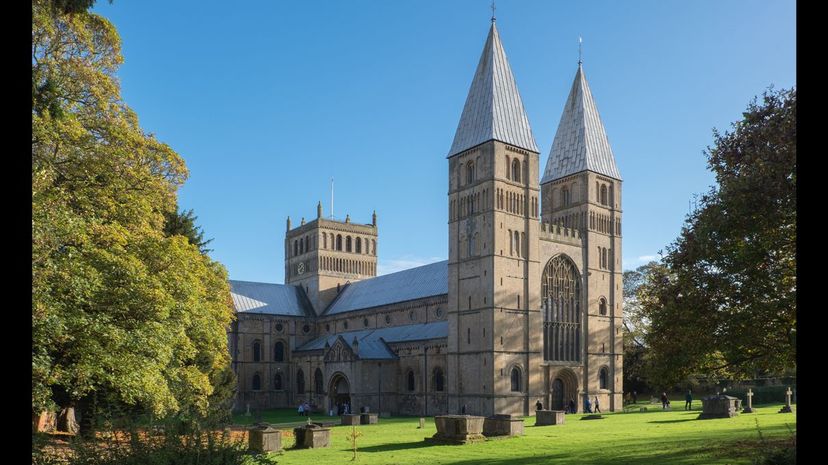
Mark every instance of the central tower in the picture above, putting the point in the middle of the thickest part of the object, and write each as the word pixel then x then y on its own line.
pixel 493 247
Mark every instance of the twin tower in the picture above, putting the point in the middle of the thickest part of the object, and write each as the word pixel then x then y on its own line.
pixel 534 292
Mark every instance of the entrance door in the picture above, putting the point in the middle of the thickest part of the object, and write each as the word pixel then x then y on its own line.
pixel 558 395
pixel 340 394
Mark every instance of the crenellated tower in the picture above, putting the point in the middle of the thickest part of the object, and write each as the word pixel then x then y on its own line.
pixel 581 189
pixel 493 248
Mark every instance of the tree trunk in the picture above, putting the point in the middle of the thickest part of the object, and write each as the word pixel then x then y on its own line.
pixel 66 421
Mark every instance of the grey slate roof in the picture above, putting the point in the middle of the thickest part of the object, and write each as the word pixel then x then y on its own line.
pixel 581 142
pixel 272 299
pixel 415 283
pixel 373 343
pixel 493 107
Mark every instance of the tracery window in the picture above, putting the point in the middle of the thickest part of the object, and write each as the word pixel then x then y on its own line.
pixel 561 301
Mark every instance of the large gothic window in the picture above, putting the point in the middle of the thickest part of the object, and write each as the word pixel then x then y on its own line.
pixel 561 300
pixel 317 381
pixel 279 352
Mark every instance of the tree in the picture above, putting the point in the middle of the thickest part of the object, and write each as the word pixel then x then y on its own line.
pixel 122 313
pixel 635 327
pixel 725 303
pixel 184 224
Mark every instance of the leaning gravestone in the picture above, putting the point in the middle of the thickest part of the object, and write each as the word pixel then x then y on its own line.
pixel 749 408
pixel 263 438
pixel 549 417
pixel 720 406
pixel 787 407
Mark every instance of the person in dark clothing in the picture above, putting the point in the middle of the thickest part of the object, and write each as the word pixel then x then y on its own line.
pixel 635 397
pixel 597 408
pixel 664 401
pixel 572 406
pixel 688 401
pixel 463 410
pixel 538 405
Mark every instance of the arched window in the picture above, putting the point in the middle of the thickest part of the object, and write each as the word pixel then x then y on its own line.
pixel 602 306
pixel 516 379
pixel 257 382
pixel 603 194
pixel 295 247
pixel 470 172
pixel 373 247
pixel 324 240
pixel 339 242
pixel 277 382
pixel 411 383
pixel 517 243
pixel 437 379
pixel 508 168
pixel 318 381
pixel 307 249
pixel 279 352
pixel 560 300
pixel 604 258
pixel 516 170
pixel 300 381
pixel 348 244
pixel 257 351
pixel 603 378
pixel 358 245
pixel 564 196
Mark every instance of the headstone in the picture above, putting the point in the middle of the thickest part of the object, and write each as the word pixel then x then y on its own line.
pixel 720 406
pixel 422 423
pixel 368 418
pixel 787 407
pixel 350 419
pixel 263 439
pixel 549 417
pixel 458 429
pixel 503 425
pixel 749 408
pixel 247 414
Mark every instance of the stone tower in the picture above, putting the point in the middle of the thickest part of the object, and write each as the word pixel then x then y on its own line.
pixel 581 189
pixel 493 246
pixel 325 254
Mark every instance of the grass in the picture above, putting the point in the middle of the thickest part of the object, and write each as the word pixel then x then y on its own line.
pixel 652 437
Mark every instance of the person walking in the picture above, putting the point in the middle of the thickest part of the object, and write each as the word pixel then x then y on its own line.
pixel 635 397
pixel 688 401
pixel 587 406
pixel 597 408
pixel 301 409
pixel 572 406
pixel 664 401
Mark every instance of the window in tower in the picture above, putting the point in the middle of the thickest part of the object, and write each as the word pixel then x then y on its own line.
pixel 257 351
pixel 257 382
pixel 517 243
pixel 516 379
pixel 565 197
pixel 279 352
pixel 602 306
pixel 437 379
pixel 603 378
pixel 411 383
pixel 358 245
pixel 348 244
pixel 516 170
pixel 339 242
pixel 373 247
pixel 470 172
pixel 603 194
pixel 508 167
pixel 295 247
pixel 324 240
pixel 277 382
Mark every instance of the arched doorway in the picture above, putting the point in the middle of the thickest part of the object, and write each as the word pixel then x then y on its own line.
pixel 564 388
pixel 339 393
pixel 558 395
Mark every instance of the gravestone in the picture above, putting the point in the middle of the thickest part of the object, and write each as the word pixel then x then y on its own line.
pixel 457 429
pixel 720 406
pixel 549 417
pixel 350 419
pixel 787 407
pixel 749 408
pixel 263 438
pixel 368 418
pixel 503 425
pixel 422 423
pixel 312 436
pixel 247 414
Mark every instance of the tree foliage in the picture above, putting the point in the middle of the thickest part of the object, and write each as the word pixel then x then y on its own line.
pixel 725 302
pixel 635 327
pixel 184 224
pixel 121 311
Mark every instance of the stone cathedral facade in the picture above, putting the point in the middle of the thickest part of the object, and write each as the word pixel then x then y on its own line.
pixel 527 307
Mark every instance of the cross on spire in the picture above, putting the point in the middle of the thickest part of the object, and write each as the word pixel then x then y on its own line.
pixel 493 10
pixel 580 43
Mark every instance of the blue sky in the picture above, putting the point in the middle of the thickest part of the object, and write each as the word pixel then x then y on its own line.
pixel 267 100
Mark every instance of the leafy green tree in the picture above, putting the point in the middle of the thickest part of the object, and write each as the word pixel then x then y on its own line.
pixel 635 327
pixel 725 302
pixel 184 224
pixel 121 312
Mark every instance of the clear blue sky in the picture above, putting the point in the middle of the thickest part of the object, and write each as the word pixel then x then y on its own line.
pixel 266 100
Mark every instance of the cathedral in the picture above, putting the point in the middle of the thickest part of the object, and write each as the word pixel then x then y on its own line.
pixel 527 308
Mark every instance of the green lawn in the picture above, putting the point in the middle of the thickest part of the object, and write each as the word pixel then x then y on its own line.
pixel 652 437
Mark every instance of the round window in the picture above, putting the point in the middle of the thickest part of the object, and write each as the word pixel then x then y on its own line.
pixel 439 312
pixel 388 319
pixel 306 329
pixel 365 322
pixel 279 327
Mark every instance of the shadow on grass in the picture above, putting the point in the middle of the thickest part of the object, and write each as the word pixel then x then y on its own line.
pixel 672 421
pixel 396 446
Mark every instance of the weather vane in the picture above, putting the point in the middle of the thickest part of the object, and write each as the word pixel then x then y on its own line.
pixel 580 42
pixel 493 11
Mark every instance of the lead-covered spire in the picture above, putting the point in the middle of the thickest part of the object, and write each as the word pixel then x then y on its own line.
pixel 493 107
pixel 581 142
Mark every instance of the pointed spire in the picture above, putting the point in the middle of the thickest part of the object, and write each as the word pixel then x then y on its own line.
pixel 288 223
pixel 319 209
pixel 374 218
pixel 581 142
pixel 493 108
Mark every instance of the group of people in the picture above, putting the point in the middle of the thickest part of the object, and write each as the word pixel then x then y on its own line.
pixel 304 409
pixel 591 407
pixel 343 408
pixel 631 398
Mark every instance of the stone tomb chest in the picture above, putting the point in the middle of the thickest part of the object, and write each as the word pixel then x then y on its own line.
pixel 503 425
pixel 458 429
pixel 263 438
pixel 350 419
pixel 549 417
pixel 720 406
pixel 368 418
pixel 312 436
